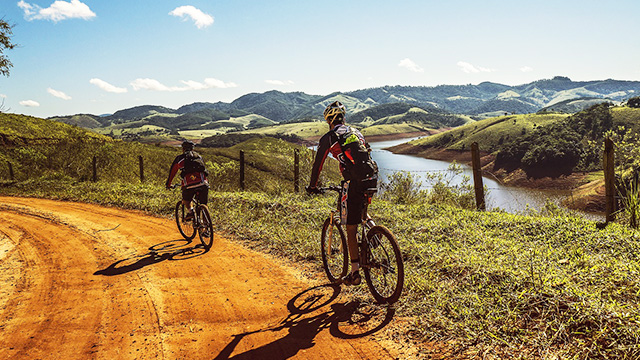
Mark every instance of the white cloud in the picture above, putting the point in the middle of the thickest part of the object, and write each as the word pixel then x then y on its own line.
pixel 219 84
pixel 410 65
pixel 107 87
pixel 468 68
pixel 59 10
pixel 201 19
pixel 155 85
pixel 526 69
pixel 3 96
pixel 149 84
pixel 58 94
pixel 29 103
pixel 279 82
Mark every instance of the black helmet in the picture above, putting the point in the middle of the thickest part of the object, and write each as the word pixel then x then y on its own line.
pixel 334 111
pixel 188 145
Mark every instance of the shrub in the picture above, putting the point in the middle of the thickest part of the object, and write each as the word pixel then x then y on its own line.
pixel 402 188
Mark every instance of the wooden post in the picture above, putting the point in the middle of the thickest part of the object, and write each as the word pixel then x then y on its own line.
pixel 634 189
pixel 241 169
pixel 141 162
pixel 95 169
pixel 10 170
pixel 609 180
pixel 296 170
pixel 477 176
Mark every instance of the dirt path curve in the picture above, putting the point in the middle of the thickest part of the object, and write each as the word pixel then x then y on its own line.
pixel 81 281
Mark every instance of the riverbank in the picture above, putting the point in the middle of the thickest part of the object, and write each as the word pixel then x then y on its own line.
pixel 587 189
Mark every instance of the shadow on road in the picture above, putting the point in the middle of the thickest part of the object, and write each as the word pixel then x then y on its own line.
pixel 169 250
pixel 307 319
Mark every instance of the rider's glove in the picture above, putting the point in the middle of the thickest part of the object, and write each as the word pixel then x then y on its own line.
pixel 313 190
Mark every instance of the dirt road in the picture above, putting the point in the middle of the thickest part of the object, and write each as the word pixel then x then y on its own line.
pixel 80 281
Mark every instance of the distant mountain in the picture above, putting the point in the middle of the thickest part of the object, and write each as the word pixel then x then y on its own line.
pixel 478 101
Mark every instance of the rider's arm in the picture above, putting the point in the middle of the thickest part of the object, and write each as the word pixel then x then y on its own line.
pixel 177 164
pixel 321 155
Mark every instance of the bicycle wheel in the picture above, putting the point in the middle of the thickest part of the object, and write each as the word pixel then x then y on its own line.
pixel 333 243
pixel 383 269
pixel 205 231
pixel 185 227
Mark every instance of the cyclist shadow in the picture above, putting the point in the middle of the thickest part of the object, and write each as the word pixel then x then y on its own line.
pixel 349 320
pixel 169 250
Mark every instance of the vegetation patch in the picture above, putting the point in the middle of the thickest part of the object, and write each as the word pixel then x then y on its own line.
pixel 543 285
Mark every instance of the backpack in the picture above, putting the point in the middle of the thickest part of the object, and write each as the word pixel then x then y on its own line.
pixel 193 163
pixel 356 158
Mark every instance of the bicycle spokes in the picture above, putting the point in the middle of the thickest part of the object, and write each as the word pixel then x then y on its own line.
pixel 333 250
pixel 384 269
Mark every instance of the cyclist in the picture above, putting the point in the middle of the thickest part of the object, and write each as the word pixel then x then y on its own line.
pixel 340 142
pixel 193 174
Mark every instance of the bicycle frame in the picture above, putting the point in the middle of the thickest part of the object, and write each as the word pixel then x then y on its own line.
pixel 364 218
pixel 378 252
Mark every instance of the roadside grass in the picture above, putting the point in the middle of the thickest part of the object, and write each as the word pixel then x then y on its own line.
pixel 480 282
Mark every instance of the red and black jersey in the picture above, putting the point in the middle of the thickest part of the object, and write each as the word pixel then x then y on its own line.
pixel 189 180
pixel 329 144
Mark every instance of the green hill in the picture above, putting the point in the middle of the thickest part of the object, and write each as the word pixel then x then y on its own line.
pixel 41 149
pixel 546 144
pixel 490 134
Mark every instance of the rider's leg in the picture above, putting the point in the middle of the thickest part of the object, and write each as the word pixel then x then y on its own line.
pixel 352 243
pixel 187 197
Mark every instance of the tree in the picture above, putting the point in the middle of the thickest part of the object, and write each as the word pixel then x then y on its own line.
pixel 634 102
pixel 6 31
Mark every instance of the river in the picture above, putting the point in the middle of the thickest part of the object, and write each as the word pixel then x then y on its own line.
pixel 509 199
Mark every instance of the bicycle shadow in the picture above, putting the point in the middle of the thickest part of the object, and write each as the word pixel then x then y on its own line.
pixel 169 250
pixel 349 320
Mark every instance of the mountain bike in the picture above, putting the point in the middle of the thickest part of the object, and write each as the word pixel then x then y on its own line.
pixel 380 256
pixel 200 223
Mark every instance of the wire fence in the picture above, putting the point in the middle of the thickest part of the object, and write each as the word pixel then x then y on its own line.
pixel 245 170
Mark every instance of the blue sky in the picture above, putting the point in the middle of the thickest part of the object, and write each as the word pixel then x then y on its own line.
pixel 100 56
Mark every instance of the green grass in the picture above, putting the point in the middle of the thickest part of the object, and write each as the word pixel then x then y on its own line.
pixel 535 286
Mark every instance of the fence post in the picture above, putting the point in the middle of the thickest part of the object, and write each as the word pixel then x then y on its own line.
pixel 242 170
pixel 296 170
pixel 95 170
pixel 477 176
pixel 609 180
pixel 10 170
pixel 634 189
pixel 141 162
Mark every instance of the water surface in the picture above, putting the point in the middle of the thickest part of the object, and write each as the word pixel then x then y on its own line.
pixel 510 199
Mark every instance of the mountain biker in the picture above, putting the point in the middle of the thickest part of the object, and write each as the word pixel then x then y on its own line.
pixel 337 141
pixel 193 174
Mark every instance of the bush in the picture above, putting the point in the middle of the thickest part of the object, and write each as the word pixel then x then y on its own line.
pixel 452 188
pixel 402 188
pixel 634 102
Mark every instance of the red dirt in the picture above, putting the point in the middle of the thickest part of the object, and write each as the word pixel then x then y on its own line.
pixel 80 281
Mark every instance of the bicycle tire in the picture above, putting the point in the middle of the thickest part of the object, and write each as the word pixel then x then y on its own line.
pixel 335 261
pixel 205 231
pixel 186 228
pixel 384 268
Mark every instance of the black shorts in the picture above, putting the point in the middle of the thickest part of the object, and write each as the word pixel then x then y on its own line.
pixel 202 193
pixel 351 205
